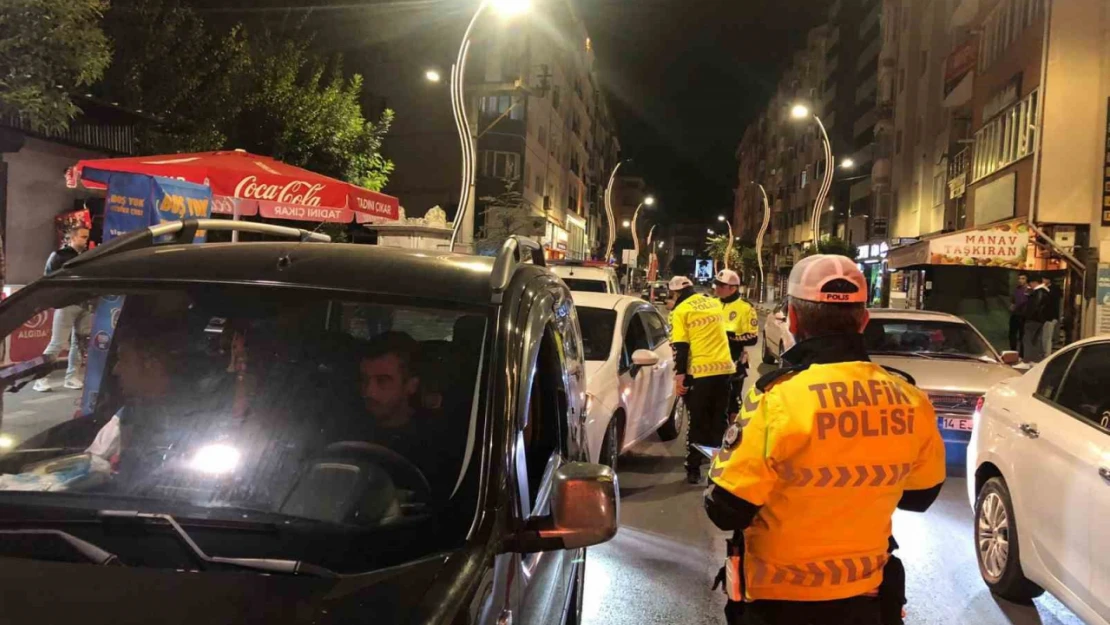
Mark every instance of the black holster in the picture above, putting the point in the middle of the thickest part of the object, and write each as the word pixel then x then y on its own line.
pixel 734 608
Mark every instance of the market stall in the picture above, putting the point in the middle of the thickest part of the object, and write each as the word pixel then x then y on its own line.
pixel 245 185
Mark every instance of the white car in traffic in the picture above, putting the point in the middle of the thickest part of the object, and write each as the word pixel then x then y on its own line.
pixel 1038 467
pixel 629 374
pixel 777 338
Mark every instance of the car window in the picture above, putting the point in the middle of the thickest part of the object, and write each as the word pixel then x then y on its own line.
pixel 657 332
pixel 586 285
pixel 249 403
pixel 636 335
pixel 925 338
pixel 598 325
pixel 1053 375
pixel 1084 389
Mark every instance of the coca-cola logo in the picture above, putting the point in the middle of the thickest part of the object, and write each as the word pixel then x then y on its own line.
pixel 37 321
pixel 293 192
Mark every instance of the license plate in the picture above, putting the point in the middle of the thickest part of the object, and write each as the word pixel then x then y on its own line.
pixel 949 423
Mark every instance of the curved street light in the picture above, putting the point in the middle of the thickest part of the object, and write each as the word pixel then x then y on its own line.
pixel 465 213
pixel 759 237
pixel 728 248
pixel 648 201
pixel 801 111
pixel 609 213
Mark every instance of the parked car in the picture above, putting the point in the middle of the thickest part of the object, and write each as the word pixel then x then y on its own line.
pixel 777 338
pixel 588 278
pixel 629 373
pixel 1039 481
pixel 657 292
pixel 311 433
pixel 948 358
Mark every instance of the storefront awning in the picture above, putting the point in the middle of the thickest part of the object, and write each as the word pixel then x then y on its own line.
pixel 1004 245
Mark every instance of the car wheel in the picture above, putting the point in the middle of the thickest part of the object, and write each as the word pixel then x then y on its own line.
pixel 996 544
pixel 673 425
pixel 578 590
pixel 768 357
pixel 610 445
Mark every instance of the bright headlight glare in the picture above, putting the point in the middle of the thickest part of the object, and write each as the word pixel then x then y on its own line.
pixel 216 459
pixel 6 442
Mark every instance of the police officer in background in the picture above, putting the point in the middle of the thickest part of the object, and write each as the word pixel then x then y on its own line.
pixel 703 366
pixel 742 328
pixel 811 472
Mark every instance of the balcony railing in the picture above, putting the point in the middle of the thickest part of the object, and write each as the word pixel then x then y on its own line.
pixel 116 139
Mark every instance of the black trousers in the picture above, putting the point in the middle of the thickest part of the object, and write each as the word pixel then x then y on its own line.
pixel 853 611
pixel 707 402
pixel 1017 333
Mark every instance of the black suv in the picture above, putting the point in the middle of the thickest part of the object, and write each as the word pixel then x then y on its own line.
pixel 300 432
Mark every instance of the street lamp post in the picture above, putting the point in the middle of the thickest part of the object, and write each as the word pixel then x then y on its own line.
pixel 759 237
pixel 464 217
pixel 728 248
pixel 609 212
pixel 800 111
pixel 648 201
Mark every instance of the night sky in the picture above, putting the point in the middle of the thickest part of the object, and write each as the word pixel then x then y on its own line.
pixel 684 78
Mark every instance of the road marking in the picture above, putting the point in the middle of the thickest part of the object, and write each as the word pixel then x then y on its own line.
pixel 48 399
pixel 18 414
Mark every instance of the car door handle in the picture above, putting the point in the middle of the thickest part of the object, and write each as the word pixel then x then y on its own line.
pixel 1030 430
pixel 1104 473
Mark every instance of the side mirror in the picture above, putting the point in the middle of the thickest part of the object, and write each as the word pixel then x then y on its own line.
pixel 645 358
pixel 780 316
pixel 585 511
pixel 1011 358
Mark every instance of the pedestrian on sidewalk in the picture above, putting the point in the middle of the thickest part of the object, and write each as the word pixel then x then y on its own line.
pixel 63 333
pixel 1018 301
pixel 1055 300
pixel 809 475
pixel 703 368
pixel 1037 314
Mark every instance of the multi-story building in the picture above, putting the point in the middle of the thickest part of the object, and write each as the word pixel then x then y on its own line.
pixel 543 126
pixel 994 112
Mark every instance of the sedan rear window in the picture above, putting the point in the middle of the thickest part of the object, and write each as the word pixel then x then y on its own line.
pixel 597 331
pixel 925 338
pixel 588 286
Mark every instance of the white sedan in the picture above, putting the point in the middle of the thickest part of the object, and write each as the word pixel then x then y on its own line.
pixel 629 373
pixel 1040 457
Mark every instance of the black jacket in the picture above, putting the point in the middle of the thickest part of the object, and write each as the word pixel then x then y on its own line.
pixel 59 257
pixel 1040 307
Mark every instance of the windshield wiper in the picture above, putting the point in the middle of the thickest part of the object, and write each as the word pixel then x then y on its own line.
pixel 91 552
pixel 879 352
pixel 270 565
pixel 949 355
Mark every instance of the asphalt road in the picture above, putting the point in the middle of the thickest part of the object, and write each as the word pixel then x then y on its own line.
pixel 661 565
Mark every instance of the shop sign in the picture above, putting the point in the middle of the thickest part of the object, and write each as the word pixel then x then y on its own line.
pixel 30 339
pixel 1106 172
pixel 1102 298
pixel 957 186
pixel 999 245
pixel 879 227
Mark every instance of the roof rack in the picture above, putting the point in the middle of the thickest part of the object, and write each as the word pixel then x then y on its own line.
pixel 508 259
pixel 185 232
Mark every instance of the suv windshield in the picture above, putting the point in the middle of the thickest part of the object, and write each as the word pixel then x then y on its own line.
pixel 925 338
pixel 248 403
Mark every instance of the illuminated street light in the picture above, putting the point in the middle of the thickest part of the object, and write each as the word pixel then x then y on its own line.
pixel 720 218
pixel 464 218
pixel 800 112
pixel 649 201
pixel 626 223
pixel 511 8
pixel 710 231
pixel 847 164
pixel 432 76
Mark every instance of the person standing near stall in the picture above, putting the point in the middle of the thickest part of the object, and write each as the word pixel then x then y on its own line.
pixel 66 320
pixel 703 368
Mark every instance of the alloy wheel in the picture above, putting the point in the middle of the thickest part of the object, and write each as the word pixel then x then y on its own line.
pixel 993 536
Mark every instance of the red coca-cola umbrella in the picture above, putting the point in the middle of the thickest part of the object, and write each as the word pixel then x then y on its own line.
pixel 248 184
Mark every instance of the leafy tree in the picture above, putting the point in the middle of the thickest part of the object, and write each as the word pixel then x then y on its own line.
pixel 171 66
pixel 49 50
pixel 505 215
pixel 833 245
pixel 717 245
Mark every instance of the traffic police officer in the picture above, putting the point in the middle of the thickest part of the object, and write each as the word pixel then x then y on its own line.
pixel 822 453
pixel 703 366
pixel 742 328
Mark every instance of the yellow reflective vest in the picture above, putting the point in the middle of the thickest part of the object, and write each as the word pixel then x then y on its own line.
pixel 740 317
pixel 827 453
pixel 699 321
